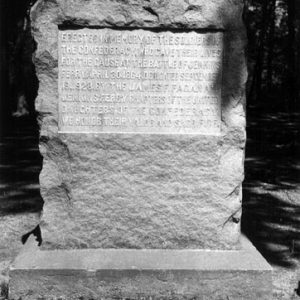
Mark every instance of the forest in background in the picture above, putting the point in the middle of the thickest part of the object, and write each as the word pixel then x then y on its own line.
pixel 273 28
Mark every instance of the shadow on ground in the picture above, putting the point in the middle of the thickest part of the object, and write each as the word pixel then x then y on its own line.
pixel 20 165
pixel 271 204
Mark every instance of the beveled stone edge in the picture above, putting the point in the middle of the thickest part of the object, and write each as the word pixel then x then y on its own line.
pixel 32 258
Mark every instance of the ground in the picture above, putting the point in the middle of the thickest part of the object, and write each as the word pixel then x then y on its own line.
pixel 271 202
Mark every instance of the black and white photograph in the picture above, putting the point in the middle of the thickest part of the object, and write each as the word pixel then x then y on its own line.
pixel 150 150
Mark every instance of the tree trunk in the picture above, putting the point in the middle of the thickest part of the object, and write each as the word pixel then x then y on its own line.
pixel 297 14
pixel 255 92
pixel 291 59
pixel 271 45
pixel 4 101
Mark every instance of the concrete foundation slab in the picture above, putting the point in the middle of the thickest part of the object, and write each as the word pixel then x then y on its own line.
pixel 140 274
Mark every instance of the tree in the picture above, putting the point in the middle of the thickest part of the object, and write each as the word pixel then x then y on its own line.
pixel 291 57
pixel 271 32
pixel 255 91
pixel 297 24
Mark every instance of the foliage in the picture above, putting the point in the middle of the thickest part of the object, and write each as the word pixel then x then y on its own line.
pixel 273 54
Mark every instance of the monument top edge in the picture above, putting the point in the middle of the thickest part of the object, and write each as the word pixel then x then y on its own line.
pixel 167 15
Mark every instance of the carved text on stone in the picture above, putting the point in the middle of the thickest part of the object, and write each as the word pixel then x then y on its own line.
pixel 139 81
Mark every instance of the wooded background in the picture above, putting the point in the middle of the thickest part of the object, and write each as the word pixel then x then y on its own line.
pixel 273 53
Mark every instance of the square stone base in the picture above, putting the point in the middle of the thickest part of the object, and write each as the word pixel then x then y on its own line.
pixel 140 274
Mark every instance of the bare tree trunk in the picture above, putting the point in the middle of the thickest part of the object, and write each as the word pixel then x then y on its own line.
pixel 4 101
pixel 271 45
pixel 291 58
pixel 297 13
pixel 255 91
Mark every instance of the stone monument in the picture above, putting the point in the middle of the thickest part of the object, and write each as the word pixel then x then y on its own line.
pixel 142 117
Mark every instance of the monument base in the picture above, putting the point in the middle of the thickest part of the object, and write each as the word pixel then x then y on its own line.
pixel 140 274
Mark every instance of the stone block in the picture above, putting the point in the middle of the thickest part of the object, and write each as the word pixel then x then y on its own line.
pixel 123 186
pixel 141 274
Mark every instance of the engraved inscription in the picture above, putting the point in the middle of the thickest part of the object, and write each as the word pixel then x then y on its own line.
pixel 139 81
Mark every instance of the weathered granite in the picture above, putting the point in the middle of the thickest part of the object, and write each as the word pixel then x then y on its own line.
pixel 141 191
pixel 12 228
pixel 141 274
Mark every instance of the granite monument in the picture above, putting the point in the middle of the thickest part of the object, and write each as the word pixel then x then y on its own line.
pixel 142 117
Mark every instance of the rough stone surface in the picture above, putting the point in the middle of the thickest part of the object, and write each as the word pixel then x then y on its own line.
pixel 141 191
pixel 12 228
pixel 141 274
